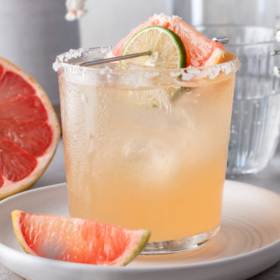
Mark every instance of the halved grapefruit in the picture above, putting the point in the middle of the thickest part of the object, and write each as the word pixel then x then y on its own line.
pixel 76 240
pixel 29 130
pixel 198 48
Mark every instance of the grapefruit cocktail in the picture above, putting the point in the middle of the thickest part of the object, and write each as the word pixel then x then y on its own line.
pixel 146 139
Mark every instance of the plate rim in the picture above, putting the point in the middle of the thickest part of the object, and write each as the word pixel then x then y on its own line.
pixel 79 266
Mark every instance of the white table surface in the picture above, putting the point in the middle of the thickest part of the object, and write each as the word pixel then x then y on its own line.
pixel 269 179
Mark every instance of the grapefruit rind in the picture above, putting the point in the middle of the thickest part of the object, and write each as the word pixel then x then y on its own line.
pixel 10 188
pixel 16 225
pixel 138 248
pixel 138 243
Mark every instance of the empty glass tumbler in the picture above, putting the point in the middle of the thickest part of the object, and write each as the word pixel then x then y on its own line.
pixel 256 106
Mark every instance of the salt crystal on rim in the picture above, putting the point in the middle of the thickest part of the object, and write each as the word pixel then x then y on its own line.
pixel 203 74
pixel 187 76
pixel 56 66
pixel 175 74
pixel 212 72
pixel 68 55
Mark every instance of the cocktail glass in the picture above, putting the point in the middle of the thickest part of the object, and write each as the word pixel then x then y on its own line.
pixel 147 148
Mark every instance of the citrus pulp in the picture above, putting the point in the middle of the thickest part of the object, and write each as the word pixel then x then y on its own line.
pixel 29 130
pixel 76 240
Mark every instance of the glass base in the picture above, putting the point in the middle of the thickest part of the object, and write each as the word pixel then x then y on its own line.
pixel 179 245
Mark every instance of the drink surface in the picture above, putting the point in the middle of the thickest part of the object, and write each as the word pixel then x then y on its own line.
pixel 158 167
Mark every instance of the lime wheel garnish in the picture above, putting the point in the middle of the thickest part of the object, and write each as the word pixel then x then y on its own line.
pixel 168 51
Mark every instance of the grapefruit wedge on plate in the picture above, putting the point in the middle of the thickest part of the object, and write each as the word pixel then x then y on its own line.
pixel 76 240
pixel 29 130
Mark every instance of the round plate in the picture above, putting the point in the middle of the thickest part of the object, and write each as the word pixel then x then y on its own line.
pixel 248 241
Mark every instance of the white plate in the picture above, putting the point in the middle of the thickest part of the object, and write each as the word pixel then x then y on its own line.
pixel 247 243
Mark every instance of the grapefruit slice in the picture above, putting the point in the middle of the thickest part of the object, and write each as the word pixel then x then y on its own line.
pixel 76 240
pixel 29 130
pixel 198 48
pixel 219 56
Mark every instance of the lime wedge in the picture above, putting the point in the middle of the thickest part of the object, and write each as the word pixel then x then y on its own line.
pixel 168 51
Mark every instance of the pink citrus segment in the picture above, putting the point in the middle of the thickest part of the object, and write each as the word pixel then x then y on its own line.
pixel 198 47
pixel 1 70
pixel 2 181
pixel 20 163
pixel 29 130
pixel 33 137
pixel 76 240
pixel 219 56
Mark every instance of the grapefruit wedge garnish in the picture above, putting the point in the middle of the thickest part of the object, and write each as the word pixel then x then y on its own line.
pixel 198 48
pixel 29 130
pixel 219 56
pixel 76 240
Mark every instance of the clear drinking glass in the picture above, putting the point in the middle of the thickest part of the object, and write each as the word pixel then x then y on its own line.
pixel 147 148
pixel 255 115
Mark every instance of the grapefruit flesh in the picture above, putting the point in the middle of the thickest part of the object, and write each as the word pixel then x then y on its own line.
pixel 219 56
pixel 198 48
pixel 76 240
pixel 29 130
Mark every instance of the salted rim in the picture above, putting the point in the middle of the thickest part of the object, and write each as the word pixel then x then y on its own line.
pixel 186 73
